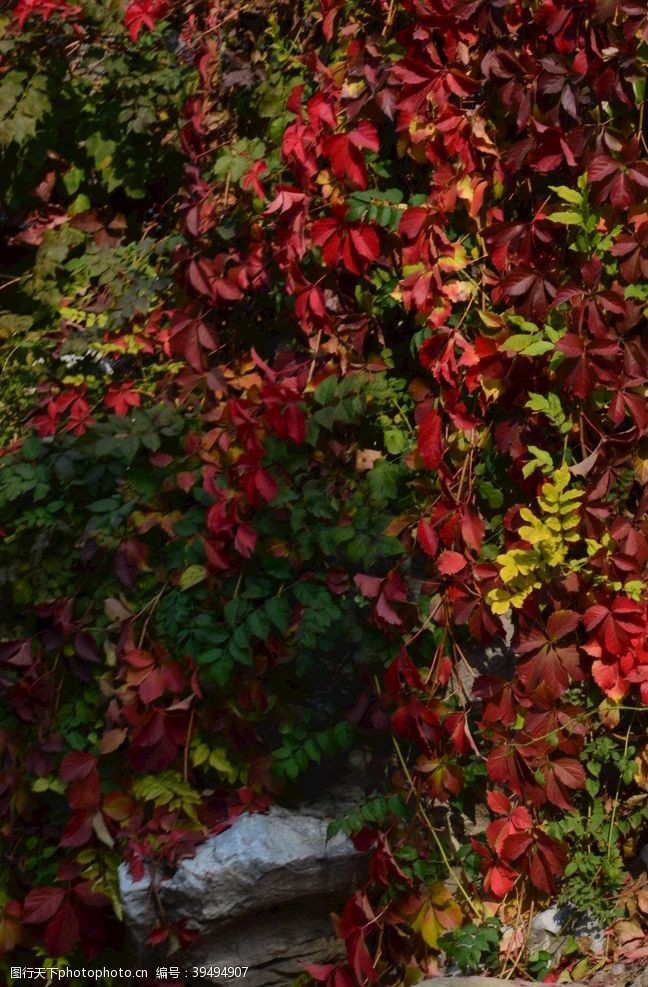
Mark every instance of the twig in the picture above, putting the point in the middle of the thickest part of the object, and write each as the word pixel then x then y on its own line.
pixel 185 770
pixel 311 371
pixel 435 836
pixel 615 804
pixel 526 940
pixel 510 945
pixel 150 606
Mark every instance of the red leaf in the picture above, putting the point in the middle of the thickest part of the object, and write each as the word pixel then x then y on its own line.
pixel 365 241
pixel 450 563
pixel 361 247
pixel 386 613
pixel 85 795
pixel 329 10
pixel 472 530
pixel 78 831
pixel 347 160
pixel 112 739
pixel 500 879
pixel 62 933
pixel 121 397
pixel 369 586
pixel 245 540
pixel 498 803
pixel 76 766
pixel 42 903
pixel 569 772
pixel 143 13
pixel 427 538
pixel 615 626
pixel 187 336
pixel 402 667
pixel 89 899
pixel 608 677
pixel 601 167
pixel 265 484
pixel 412 222
pixel 430 442
pixel 562 622
pixel 548 863
pixel 549 664
pixel 514 845
pixel 532 290
pixel 319 971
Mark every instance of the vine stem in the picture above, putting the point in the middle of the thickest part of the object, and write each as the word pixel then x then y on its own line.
pixel 185 772
pixel 435 836
pixel 311 371
pixel 516 961
pixel 389 20
pixel 509 949
pixel 150 606
pixel 615 804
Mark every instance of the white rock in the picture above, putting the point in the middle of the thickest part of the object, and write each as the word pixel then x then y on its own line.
pixel 261 894
pixel 550 920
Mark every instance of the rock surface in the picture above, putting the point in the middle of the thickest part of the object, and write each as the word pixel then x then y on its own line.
pixel 477 982
pixel 260 893
pixel 614 975
pixel 552 927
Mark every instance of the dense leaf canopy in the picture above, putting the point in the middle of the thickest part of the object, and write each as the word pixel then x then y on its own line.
pixel 323 435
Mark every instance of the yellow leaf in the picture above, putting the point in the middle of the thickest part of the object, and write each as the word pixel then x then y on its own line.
pixel 102 831
pixel 640 466
pixel 508 572
pixel 571 522
pixel 641 773
pixel 430 929
pixel 581 968
pixel 609 714
pixel 553 524
pixel 199 754
pixel 492 388
pixel 499 601
pixel 220 762
pixel 533 535
pixel 192 575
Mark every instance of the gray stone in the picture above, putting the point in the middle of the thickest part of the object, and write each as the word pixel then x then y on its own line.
pixel 551 928
pixel 260 893
pixel 465 982
pixel 477 982
pixel 550 920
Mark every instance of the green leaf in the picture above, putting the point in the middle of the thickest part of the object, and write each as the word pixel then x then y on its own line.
pixel 490 493
pixel 567 194
pixel 325 391
pixel 23 105
pixel 395 441
pixel 31 448
pixel 639 291
pixel 105 506
pixel 527 345
pixel 538 347
pixel 278 610
pixel 567 218
pixel 192 575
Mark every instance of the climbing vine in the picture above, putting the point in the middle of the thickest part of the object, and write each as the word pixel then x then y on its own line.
pixel 323 429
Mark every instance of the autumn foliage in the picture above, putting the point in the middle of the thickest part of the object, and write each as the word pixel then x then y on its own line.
pixel 325 429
